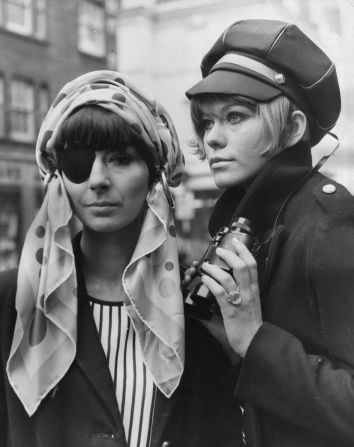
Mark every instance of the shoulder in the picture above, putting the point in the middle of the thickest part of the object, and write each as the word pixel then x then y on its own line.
pixel 321 202
pixel 331 246
pixel 332 197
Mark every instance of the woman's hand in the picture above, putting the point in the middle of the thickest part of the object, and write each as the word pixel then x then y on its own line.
pixel 241 321
pixel 190 273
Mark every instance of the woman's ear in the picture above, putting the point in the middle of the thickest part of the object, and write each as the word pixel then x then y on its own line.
pixel 298 128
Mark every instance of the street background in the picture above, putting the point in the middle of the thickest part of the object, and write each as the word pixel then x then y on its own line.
pixel 160 44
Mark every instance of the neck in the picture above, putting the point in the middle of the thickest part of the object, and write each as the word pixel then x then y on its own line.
pixel 269 190
pixel 104 258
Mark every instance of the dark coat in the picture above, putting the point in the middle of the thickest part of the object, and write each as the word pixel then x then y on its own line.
pixel 82 410
pixel 297 378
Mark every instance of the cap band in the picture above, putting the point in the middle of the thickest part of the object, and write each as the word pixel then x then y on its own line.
pixel 250 64
pixel 277 79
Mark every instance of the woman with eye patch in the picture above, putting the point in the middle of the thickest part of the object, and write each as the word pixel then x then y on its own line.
pixel 92 324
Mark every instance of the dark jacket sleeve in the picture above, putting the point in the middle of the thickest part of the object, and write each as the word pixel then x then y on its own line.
pixel 3 410
pixel 315 392
pixel 7 295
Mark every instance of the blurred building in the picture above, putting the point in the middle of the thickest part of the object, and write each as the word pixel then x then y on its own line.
pixel 161 44
pixel 43 44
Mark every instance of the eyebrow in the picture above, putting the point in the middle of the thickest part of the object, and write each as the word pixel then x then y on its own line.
pixel 237 104
pixel 224 108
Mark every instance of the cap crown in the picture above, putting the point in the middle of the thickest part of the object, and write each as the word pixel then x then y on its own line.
pixel 285 48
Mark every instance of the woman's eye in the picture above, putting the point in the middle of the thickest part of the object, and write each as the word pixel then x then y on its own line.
pixel 207 124
pixel 234 118
pixel 120 160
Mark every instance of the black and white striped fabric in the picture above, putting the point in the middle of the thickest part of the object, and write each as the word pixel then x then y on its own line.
pixel 133 383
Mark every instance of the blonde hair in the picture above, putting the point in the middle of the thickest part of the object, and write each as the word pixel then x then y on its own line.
pixel 276 115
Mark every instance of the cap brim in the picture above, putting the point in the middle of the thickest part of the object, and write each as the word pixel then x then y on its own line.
pixel 234 83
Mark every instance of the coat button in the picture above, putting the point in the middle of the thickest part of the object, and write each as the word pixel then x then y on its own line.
pixel 166 444
pixel 329 188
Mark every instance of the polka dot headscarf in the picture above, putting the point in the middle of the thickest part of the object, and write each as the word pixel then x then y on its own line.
pixel 136 106
pixel 44 342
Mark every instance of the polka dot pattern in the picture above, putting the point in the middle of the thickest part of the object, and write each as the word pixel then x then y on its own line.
pixel 92 102
pixel 97 86
pixel 119 97
pixel 120 81
pixel 169 266
pixel 58 99
pixel 172 230
pixel 40 231
pixel 39 255
pixel 167 287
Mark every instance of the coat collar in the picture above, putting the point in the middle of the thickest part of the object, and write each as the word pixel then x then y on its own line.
pixel 90 356
pixel 263 199
pixel 92 361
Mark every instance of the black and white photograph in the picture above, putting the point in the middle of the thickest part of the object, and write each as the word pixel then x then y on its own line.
pixel 176 223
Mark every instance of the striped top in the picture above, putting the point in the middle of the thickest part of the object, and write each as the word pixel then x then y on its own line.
pixel 133 383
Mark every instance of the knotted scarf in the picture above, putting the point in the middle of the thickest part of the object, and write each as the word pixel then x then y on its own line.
pixel 45 336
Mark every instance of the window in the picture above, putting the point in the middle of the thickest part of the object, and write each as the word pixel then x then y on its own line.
pixel 21 111
pixel 43 103
pixel 91 37
pixel 9 229
pixel 2 104
pixel 18 16
pixel 27 17
pixel 112 7
pixel 41 19
pixel 333 19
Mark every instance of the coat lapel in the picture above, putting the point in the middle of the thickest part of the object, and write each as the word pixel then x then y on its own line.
pixel 161 415
pixel 287 169
pixel 90 356
pixel 92 361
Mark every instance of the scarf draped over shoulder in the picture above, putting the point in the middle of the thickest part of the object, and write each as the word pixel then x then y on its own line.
pixel 45 337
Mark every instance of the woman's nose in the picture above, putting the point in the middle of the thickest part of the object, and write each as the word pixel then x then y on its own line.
pixel 99 176
pixel 216 138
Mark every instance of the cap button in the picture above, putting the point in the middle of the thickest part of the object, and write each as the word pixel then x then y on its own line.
pixel 329 188
pixel 279 78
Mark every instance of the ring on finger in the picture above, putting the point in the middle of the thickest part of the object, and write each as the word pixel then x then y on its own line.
pixel 235 298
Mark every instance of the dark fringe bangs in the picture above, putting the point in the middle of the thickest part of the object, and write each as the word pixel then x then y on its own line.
pixel 100 129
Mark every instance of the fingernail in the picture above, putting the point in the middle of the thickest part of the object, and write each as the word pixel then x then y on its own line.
pixel 202 266
pixel 235 241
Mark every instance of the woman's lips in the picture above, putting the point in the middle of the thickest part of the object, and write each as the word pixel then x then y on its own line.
pixel 102 204
pixel 218 164
pixel 102 208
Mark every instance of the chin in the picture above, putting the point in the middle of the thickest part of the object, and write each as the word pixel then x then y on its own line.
pixel 225 182
pixel 105 226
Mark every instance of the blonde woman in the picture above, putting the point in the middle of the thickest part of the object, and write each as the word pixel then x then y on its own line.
pixel 268 95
